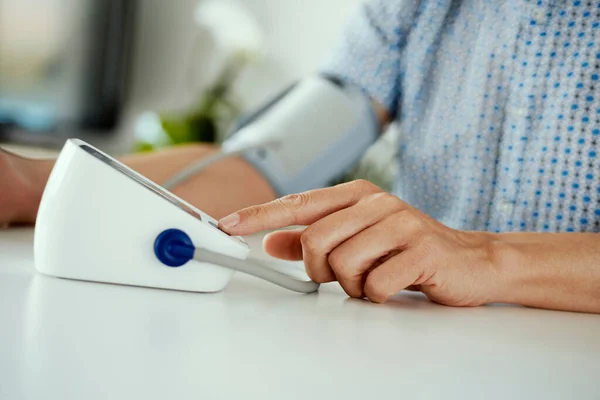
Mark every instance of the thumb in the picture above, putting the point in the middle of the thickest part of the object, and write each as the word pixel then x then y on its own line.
pixel 284 245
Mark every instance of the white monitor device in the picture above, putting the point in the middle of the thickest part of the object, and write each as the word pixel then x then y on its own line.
pixel 99 221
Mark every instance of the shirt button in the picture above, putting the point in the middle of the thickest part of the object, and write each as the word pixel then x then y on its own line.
pixel 506 207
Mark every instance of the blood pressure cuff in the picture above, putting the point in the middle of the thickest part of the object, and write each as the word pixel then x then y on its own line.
pixel 313 132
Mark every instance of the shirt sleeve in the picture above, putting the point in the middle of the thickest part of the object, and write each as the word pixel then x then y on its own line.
pixel 367 60
pixel 368 54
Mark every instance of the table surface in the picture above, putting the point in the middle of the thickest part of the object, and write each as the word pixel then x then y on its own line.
pixel 62 339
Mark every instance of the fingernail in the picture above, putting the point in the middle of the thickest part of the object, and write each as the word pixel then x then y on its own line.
pixel 230 221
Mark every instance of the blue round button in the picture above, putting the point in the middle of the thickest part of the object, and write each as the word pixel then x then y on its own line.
pixel 174 248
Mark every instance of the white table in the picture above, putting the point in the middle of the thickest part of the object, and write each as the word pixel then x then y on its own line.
pixel 62 339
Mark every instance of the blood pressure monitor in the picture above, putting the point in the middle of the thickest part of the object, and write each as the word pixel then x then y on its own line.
pixel 101 221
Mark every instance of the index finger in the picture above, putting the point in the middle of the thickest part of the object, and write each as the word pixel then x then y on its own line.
pixel 296 209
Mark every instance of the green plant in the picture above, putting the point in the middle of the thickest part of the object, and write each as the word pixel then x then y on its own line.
pixel 236 40
pixel 207 120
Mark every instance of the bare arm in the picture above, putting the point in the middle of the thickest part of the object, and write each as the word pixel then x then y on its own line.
pixel 219 189
pixel 224 187
pixel 550 270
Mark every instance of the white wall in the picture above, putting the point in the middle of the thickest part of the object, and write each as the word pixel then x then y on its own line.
pixel 299 34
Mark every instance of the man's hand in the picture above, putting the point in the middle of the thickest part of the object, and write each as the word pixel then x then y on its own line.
pixel 375 245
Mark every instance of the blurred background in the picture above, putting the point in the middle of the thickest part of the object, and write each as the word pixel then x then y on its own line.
pixel 138 75
pixel 94 67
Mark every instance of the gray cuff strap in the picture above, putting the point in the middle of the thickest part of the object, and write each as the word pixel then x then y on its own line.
pixel 331 163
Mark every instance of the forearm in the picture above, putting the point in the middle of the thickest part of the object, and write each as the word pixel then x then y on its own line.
pixel 227 186
pixel 549 270
pixel 222 188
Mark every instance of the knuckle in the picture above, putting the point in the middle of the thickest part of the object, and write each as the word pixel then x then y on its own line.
pixel 310 241
pixel 418 223
pixel 252 212
pixel 429 246
pixel 336 259
pixel 296 200
pixel 412 220
pixel 384 200
pixel 429 240
pixel 361 187
pixel 291 204
pixel 362 182
pixel 365 185
pixel 340 263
